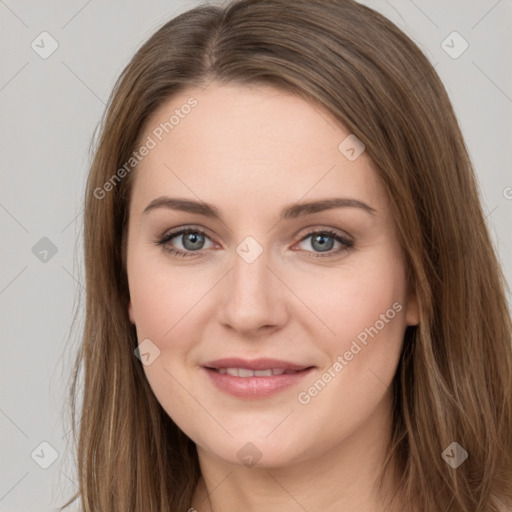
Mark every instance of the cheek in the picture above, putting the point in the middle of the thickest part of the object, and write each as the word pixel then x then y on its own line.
pixel 165 304
pixel 365 310
pixel 362 312
pixel 162 298
pixel 350 299
pixel 369 304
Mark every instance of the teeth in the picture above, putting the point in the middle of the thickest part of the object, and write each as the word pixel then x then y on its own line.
pixel 263 373
pixel 244 372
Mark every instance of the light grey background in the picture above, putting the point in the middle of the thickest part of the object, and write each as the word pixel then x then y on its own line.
pixel 49 111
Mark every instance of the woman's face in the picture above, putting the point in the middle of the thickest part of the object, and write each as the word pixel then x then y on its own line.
pixel 275 332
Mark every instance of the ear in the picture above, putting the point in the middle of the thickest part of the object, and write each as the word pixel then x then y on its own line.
pixel 412 310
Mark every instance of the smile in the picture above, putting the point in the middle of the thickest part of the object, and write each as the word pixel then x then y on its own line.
pixel 256 379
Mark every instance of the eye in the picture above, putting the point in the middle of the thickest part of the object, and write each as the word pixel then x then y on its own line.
pixel 324 240
pixel 191 239
pixel 192 242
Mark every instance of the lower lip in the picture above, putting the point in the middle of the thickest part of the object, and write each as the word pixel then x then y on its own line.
pixel 255 387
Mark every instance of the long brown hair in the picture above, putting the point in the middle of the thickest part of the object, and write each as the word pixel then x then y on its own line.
pixel 454 380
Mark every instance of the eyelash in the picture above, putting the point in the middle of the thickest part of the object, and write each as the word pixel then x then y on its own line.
pixel 348 244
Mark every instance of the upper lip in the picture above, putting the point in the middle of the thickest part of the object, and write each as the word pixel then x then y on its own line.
pixel 254 364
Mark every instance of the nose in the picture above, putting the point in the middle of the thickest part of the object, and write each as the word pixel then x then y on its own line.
pixel 254 298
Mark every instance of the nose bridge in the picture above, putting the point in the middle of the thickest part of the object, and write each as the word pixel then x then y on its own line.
pixel 253 298
pixel 250 275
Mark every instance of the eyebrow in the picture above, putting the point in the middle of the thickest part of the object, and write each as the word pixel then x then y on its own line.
pixel 290 212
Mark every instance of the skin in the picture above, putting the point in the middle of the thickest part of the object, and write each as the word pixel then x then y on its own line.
pixel 252 151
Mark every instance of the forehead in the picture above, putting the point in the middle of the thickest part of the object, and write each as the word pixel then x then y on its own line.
pixel 231 141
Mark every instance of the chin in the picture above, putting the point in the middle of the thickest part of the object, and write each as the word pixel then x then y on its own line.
pixel 253 452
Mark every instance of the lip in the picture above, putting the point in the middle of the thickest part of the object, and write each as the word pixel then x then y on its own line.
pixel 255 387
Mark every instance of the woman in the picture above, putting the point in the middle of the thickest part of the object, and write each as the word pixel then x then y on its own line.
pixel 292 299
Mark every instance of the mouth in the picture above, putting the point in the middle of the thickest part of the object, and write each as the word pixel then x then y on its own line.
pixel 254 379
pixel 246 372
